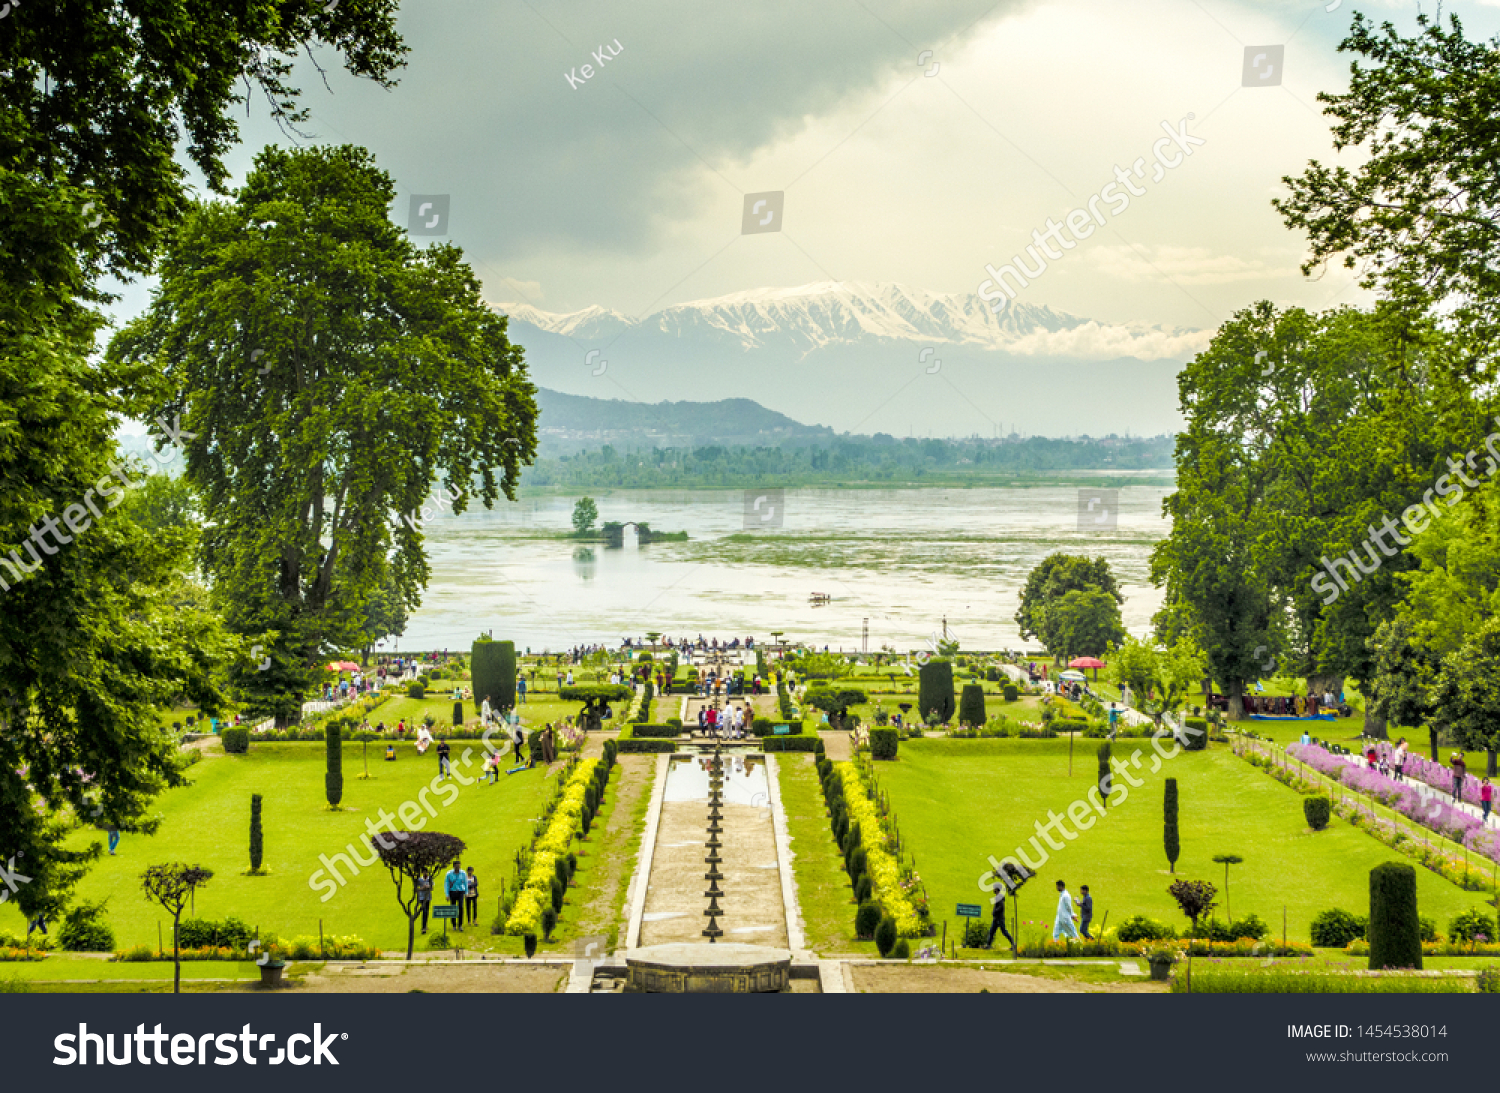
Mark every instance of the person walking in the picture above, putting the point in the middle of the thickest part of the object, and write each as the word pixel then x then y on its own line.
pixel 1486 798
pixel 1460 768
pixel 518 738
pixel 114 838
pixel 1063 926
pixel 1085 912
pixel 457 885
pixel 521 688
pixel 424 899
pixel 1398 759
pixel 443 752
pixel 997 917
pixel 471 901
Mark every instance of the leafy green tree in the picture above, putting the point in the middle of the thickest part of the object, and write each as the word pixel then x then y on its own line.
pixel 1132 663
pixel 170 886
pixel 383 369
pixel 1405 670
pixel 1052 579
pixel 1083 623
pixel 1420 216
pixel 1466 693
pixel 835 703
pixel 384 616
pixel 585 512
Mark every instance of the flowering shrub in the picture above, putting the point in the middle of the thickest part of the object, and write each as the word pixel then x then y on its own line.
pixel 884 869
pixel 12 954
pixel 536 893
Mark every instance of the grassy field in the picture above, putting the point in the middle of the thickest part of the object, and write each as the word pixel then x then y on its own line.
pixel 959 801
pixel 208 823
pixel 823 891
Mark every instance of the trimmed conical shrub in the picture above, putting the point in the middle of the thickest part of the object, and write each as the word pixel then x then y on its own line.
pixel 971 705
pixel 1169 840
pixel 935 690
pixel 1394 933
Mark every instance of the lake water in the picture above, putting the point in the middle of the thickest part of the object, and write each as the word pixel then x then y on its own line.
pixel 904 559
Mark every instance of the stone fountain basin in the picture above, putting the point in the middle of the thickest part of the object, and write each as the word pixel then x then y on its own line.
pixel 727 968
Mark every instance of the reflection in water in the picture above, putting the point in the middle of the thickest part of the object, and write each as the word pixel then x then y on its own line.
pixel 744 779
pixel 585 564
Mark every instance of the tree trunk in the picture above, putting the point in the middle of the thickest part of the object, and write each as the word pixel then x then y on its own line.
pixel 1432 736
pixel 411 932
pixel 1235 689
pixel 1489 766
pixel 1317 684
pixel 1374 724
pixel 176 958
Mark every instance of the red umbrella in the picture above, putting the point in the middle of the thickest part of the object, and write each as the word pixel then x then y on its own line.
pixel 343 666
pixel 1088 662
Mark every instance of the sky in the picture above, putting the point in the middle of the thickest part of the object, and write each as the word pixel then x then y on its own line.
pixel 625 189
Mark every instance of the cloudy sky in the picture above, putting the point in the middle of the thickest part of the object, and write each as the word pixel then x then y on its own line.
pixel 626 190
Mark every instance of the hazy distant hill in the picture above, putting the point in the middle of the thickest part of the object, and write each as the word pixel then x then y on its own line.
pixel 573 423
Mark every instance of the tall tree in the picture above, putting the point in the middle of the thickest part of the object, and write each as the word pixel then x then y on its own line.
pixel 1053 578
pixel 330 373
pixel 412 856
pixel 94 98
pixel 1084 622
pixel 1420 217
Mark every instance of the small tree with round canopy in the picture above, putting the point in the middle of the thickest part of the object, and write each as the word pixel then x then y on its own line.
pixel 594 696
pixel 170 886
pixel 410 855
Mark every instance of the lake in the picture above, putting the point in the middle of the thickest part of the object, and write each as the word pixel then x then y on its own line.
pixel 903 559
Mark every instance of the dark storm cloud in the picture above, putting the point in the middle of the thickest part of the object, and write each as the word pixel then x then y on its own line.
pixel 485 113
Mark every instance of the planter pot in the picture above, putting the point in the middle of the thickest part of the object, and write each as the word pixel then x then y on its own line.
pixel 1161 969
pixel 270 974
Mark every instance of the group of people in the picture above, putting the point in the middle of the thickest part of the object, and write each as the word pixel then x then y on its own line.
pixel 1394 765
pixel 1071 923
pixel 462 889
pixel 728 722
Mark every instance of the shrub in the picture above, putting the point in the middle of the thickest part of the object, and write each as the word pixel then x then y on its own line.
pixel 1463 928
pixel 971 705
pixel 1142 928
pixel 859 861
pixel 1394 933
pixel 1169 837
pixel 866 919
pixel 1250 926
pixel 200 933
pixel 862 888
pixel 1336 928
pixel 935 691
pixel 901 950
pixel 1488 980
pixel 236 741
pixel 560 866
pixel 257 845
pixel 883 743
pixel 1428 929
pixel 976 933
pixel 416 689
pixel 1010 692
pixel 885 936
pixel 83 930
pixel 333 781
pixel 1317 810
pixel 1195 740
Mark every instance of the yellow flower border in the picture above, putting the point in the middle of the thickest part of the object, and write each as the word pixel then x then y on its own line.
pixel 884 869
pixel 536 894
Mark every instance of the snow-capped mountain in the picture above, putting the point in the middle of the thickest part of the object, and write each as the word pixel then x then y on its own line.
pixel 828 313
pixel 872 357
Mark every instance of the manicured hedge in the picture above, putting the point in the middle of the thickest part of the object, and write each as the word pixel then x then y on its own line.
pixel 236 741
pixel 883 743
pixel 641 731
pixel 805 742
pixel 1394 933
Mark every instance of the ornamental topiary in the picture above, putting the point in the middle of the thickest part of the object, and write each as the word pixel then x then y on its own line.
pixel 1010 692
pixel 1169 838
pixel 1142 928
pixel 863 888
pixel 883 743
pixel 333 781
pixel 416 689
pixel 901 950
pixel 859 861
pixel 257 846
pixel 549 921
pixel 866 919
pixel 493 671
pixel 1394 934
pixel 83 930
pixel 557 898
pixel 1317 810
pixel 236 741
pixel 971 705
pixel 935 690
pixel 885 936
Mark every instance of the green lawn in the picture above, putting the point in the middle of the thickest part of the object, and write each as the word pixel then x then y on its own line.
pixel 208 823
pixel 823 891
pixel 958 801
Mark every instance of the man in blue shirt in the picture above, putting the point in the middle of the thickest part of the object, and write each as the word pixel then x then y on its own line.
pixel 457 885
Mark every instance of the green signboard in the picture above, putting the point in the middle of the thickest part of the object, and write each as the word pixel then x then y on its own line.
pixel 782 730
pixel 450 911
pixel 970 910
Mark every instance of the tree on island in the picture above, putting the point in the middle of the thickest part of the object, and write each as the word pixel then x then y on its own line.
pixel 170 886
pixel 317 417
pixel 410 855
pixel 585 513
